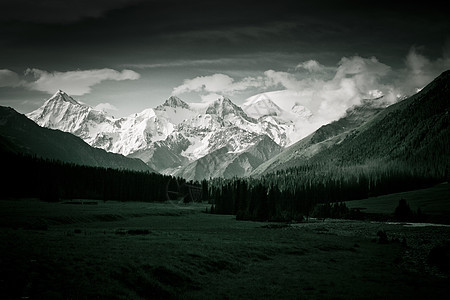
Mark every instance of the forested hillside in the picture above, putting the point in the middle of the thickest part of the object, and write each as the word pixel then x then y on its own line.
pixel 52 180
pixel 416 131
pixel 404 147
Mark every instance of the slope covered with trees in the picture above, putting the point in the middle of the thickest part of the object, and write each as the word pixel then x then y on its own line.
pixel 404 147
pixel 415 131
pixel 54 165
pixel 51 180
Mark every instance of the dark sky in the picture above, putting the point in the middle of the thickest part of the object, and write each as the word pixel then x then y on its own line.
pixel 168 42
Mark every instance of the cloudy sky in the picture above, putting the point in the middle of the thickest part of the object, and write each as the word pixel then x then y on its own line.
pixel 128 55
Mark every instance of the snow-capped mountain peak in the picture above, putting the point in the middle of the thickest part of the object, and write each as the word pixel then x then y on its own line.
pixel 60 95
pixel 173 102
pixel 171 135
pixel 60 112
pixel 224 107
pixel 261 106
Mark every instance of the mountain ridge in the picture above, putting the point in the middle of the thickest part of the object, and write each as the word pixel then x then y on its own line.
pixel 18 134
pixel 173 136
pixel 167 137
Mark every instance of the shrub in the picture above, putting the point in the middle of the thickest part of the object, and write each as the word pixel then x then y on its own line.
pixel 403 212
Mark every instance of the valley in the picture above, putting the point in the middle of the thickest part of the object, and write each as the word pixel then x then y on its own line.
pixel 224 150
pixel 142 250
pixel 311 220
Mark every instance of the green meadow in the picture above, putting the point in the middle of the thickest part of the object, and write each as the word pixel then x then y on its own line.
pixel 134 250
pixel 433 201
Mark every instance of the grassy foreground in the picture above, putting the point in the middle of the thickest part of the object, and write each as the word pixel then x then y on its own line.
pixel 148 251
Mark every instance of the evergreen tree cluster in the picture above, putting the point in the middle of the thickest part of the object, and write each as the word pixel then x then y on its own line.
pixel 50 180
pixel 293 194
pixel 404 213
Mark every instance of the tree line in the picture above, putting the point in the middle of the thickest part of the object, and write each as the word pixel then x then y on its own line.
pixel 285 195
pixel 294 193
pixel 51 180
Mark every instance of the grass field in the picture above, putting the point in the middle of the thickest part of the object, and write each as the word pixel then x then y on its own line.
pixel 119 250
pixel 434 201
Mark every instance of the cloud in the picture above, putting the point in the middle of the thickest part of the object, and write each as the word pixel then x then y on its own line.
pixel 217 83
pixel 187 63
pixel 311 66
pixel 75 82
pixel 9 78
pixel 107 107
pixel 355 78
pixel 365 74
pixel 328 91
pixel 210 97
pixel 419 70
pixel 285 79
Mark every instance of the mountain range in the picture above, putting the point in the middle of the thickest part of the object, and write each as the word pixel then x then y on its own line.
pixel 195 140
pixel 221 139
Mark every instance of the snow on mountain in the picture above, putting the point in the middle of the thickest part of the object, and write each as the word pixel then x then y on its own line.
pixel 283 99
pixel 227 110
pixel 66 114
pixel 97 128
pixel 174 133
pixel 18 134
pixel 175 110
pixel 261 105
pixel 225 163
pixel 283 118
pixel 223 124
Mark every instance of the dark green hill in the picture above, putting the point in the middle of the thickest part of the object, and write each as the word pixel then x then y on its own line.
pixel 20 135
pixel 415 131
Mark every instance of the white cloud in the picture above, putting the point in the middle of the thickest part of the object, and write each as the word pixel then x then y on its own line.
pixel 311 66
pixel 285 79
pixel 9 78
pixel 217 83
pixel 75 82
pixel 107 107
pixel 355 78
pixel 210 97
pixel 419 70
